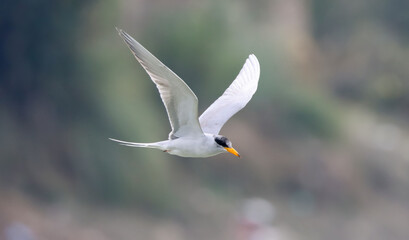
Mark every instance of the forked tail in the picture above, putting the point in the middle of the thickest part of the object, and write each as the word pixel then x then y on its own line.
pixel 133 144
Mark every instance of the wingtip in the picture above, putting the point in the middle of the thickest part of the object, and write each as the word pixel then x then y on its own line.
pixel 254 60
pixel 253 56
pixel 120 31
pixel 125 36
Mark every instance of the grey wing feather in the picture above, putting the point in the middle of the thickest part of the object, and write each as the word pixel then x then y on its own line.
pixel 179 100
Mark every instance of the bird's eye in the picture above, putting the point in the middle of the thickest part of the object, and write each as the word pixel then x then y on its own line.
pixel 222 141
pixel 218 141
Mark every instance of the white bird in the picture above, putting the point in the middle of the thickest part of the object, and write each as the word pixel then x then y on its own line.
pixel 192 136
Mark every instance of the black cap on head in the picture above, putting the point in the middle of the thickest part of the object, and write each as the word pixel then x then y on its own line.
pixel 222 141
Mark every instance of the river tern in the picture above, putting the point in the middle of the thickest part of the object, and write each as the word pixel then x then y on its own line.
pixel 192 136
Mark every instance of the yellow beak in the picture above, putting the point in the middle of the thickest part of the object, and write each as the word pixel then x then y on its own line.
pixel 232 151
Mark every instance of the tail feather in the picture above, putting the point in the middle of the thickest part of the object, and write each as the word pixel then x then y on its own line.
pixel 134 144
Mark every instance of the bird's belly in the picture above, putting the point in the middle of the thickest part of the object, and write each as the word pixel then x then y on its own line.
pixel 193 153
pixel 191 149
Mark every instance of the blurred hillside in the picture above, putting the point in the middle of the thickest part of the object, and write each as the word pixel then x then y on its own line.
pixel 324 140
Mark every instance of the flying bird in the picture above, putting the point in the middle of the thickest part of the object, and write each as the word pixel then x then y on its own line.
pixel 192 136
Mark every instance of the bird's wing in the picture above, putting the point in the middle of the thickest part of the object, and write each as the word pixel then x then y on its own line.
pixel 236 96
pixel 180 102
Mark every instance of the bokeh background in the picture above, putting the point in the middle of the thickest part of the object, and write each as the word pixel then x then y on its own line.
pixel 324 141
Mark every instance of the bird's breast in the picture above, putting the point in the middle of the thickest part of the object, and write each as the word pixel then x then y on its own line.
pixel 193 147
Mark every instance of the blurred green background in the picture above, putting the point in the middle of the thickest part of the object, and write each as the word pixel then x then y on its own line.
pixel 324 141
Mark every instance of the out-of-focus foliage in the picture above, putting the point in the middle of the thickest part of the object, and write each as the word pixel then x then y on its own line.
pixel 40 90
pixel 324 138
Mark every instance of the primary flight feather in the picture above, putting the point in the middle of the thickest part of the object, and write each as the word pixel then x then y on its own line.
pixel 192 136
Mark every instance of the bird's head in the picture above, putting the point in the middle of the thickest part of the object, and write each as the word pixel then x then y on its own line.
pixel 225 143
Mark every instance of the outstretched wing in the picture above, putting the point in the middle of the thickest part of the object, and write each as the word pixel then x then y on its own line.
pixel 180 102
pixel 236 96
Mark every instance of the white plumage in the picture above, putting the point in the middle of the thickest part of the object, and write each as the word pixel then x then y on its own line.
pixel 192 136
pixel 236 96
